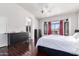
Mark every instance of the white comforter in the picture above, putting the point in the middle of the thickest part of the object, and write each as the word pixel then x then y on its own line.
pixel 63 43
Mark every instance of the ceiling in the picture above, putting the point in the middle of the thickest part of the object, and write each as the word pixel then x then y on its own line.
pixel 41 10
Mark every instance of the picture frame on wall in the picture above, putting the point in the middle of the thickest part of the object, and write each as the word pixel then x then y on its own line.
pixel 66 27
pixel 45 28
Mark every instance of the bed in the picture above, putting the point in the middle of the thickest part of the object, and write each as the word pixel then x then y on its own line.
pixel 57 45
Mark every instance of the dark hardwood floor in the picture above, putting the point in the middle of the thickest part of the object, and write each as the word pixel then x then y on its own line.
pixel 20 49
pixel 16 50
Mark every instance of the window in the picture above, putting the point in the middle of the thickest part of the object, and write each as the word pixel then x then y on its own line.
pixel 55 26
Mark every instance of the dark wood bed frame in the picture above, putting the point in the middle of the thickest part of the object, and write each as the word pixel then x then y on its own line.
pixel 44 51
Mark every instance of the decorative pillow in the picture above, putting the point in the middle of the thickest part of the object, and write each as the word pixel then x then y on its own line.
pixel 76 35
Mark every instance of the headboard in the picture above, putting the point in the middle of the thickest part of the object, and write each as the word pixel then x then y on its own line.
pixel 76 30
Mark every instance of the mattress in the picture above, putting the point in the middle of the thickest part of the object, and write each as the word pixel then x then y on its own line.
pixel 63 43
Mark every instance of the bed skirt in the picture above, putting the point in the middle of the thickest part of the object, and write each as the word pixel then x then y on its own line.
pixel 44 51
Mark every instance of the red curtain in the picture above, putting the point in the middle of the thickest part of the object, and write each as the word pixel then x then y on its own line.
pixel 61 27
pixel 49 28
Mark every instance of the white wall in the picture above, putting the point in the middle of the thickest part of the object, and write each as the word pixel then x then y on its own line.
pixel 14 17
pixel 34 26
pixel 3 23
pixel 73 20
pixel 78 20
pixel 3 36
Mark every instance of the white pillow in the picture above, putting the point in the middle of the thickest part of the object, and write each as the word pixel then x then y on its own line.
pixel 76 35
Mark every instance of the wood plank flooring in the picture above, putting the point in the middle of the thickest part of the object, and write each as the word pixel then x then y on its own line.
pixel 16 50
pixel 20 49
